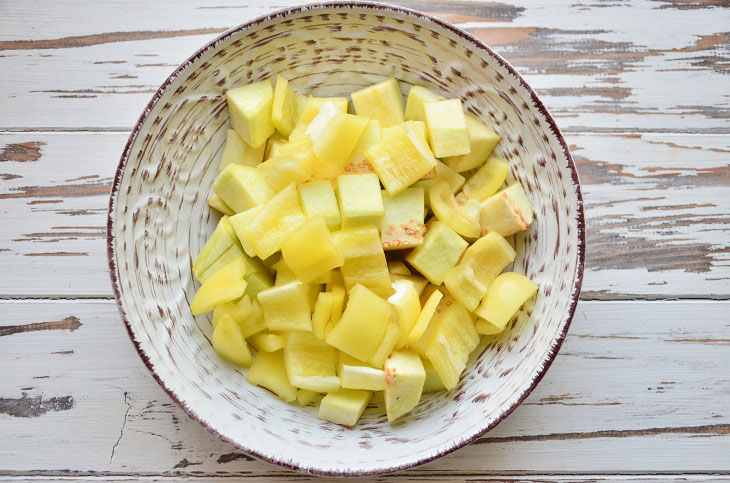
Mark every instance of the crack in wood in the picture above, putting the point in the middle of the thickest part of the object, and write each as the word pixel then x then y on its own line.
pixel 705 430
pixel 71 324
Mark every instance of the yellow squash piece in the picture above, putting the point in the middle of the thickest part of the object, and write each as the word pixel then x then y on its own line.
pixel 440 251
pixel 317 198
pixel 274 222
pixel 469 281
pixel 360 200
pixel 285 108
pixel 507 212
pixel 238 310
pixel 463 219
pixel 234 251
pixel 238 152
pixel 507 293
pixel 280 171
pixel 310 363
pixel 420 331
pixel 404 379
pixel 327 311
pixel 482 142
pixel 402 156
pixel 305 397
pixel 487 179
pixel 225 285
pixel 242 187
pixel 238 222
pixel 215 202
pixel 229 343
pixel 433 381
pixel 364 259
pixel 417 97
pixel 250 109
pixel 268 342
pixel 312 106
pixel 268 371
pixel 402 225
pixel 354 374
pixel 382 101
pixel 218 243
pixel 451 342
pixel 286 307
pixel 357 163
pixel 275 145
pixel 407 306
pixel 446 126
pixel 310 251
pixel 388 342
pixel 344 406
pixel 336 141
pixel 362 326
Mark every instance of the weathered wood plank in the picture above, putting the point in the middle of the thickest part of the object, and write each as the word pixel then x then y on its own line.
pixel 657 212
pixel 648 380
pixel 413 476
pixel 625 66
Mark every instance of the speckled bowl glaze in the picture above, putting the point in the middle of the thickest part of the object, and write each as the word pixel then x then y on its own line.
pixel 159 220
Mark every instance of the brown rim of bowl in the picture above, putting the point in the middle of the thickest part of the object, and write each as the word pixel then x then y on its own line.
pixel 554 347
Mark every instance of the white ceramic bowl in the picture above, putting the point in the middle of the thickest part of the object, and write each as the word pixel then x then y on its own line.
pixel 159 220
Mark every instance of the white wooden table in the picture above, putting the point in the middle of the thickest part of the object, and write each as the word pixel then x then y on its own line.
pixel 641 388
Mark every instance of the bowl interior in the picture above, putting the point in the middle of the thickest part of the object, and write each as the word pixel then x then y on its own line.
pixel 159 220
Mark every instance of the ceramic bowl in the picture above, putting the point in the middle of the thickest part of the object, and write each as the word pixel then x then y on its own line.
pixel 159 220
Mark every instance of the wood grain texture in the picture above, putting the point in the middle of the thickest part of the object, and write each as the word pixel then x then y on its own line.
pixel 656 207
pixel 647 380
pixel 598 66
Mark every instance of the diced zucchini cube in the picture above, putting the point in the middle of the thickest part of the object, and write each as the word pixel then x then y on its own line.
pixel 402 225
pixel 317 198
pixel 440 251
pixel 382 101
pixel 482 142
pixel 417 97
pixel 285 108
pixel 238 152
pixel 344 406
pixel 364 259
pixel 250 109
pixel 242 187
pixel 359 200
pixel 451 343
pixel 446 126
pixel 404 379
pixel 402 156
pixel 506 212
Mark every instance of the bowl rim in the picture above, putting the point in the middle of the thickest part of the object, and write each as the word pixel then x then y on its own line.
pixel 465 36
